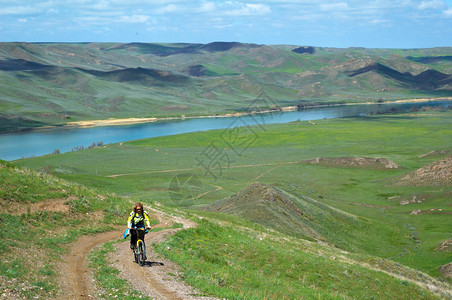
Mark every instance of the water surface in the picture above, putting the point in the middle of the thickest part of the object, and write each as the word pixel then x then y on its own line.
pixel 40 142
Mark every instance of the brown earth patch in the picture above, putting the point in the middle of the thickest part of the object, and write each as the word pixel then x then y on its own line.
pixel 446 270
pixel 51 205
pixel 433 153
pixel 432 211
pixel 436 173
pixel 413 200
pixel 354 162
pixel 75 275
pixel 445 246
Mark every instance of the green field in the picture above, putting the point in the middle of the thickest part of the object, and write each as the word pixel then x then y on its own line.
pixel 145 169
pixel 362 216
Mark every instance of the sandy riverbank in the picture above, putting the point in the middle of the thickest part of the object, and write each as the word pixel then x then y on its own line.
pixel 422 100
pixel 110 122
pixel 130 121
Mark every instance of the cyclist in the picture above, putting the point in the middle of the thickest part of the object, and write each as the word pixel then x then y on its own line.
pixel 137 218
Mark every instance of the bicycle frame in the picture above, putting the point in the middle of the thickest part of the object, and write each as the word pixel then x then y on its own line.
pixel 139 252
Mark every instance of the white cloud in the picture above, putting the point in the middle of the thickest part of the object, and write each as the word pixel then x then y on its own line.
pixel 383 22
pixel 207 7
pixel 448 13
pixel 20 10
pixel 201 19
pixel 247 9
pixel 101 5
pixel 433 4
pixel 92 20
pixel 134 19
pixel 224 26
pixel 144 2
pixel 171 8
pixel 334 6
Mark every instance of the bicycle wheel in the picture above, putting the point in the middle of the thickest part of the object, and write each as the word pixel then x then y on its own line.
pixel 141 253
pixel 135 255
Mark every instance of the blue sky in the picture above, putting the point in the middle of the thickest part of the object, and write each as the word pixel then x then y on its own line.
pixel 351 23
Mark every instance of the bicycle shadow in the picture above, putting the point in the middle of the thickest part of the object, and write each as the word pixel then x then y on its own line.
pixel 152 263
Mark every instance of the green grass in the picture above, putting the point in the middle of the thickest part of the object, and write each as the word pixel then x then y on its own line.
pixel 226 262
pixel 384 223
pixel 357 210
pixel 42 237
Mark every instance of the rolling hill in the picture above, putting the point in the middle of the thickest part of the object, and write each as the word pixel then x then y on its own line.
pixel 336 208
pixel 44 215
pixel 269 207
pixel 295 215
pixel 54 83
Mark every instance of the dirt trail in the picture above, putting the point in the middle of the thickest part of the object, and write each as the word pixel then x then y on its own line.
pixel 159 278
pixel 76 279
pixel 195 169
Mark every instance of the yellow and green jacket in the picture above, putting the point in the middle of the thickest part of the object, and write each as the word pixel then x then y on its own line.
pixel 140 220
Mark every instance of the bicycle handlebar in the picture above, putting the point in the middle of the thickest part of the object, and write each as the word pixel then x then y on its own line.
pixel 139 228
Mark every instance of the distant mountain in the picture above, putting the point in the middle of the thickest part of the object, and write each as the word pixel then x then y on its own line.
pixel 140 75
pixel 429 79
pixel 53 83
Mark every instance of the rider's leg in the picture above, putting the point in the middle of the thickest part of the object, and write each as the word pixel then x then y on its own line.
pixel 133 239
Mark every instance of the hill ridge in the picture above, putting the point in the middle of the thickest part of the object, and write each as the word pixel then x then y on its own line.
pixel 207 79
pixel 276 208
pixel 425 80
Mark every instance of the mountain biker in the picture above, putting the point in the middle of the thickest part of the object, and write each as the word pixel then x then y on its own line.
pixel 138 218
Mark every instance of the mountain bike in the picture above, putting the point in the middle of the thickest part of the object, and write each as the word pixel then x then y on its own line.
pixel 139 251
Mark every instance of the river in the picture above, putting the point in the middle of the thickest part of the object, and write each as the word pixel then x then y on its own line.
pixel 19 145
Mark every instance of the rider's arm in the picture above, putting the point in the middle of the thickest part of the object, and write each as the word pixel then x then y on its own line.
pixel 129 220
pixel 147 220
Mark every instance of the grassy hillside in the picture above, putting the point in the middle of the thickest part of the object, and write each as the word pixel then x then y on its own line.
pixel 368 201
pixel 39 216
pixel 225 257
pixel 303 217
pixel 381 208
pixel 241 263
pixel 298 216
pixel 54 83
